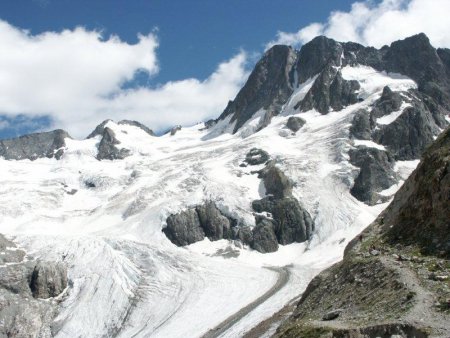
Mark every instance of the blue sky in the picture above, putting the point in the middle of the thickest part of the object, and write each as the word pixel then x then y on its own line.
pixel 71 64
pixel 194 35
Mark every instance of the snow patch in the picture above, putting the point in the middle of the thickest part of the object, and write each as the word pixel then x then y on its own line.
pixel 369 144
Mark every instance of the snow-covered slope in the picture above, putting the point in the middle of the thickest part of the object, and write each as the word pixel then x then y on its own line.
pixel 104 219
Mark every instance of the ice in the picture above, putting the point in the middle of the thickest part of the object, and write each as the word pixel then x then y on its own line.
pixel 369 144
pixel 373 81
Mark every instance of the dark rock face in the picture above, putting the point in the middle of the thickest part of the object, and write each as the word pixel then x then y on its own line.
pixel 174 130
pixel 420 211
pixel 409 135
pixel 361 128
pixel 276 182
pixel 22 311
pixel 99 129
pixel 329 91
pixel 405 138
pixel 268 86
pixel 184 228
pixel 33 146
pixel 49 279
pixel 291 222
pixel 294 123
pixel 264 238
pixel 256 156
pixel 376 173
pixel 215 225
pixel 107 149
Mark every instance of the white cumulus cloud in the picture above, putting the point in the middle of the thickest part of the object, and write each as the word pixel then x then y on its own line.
pixel 76 77
pixel 379 23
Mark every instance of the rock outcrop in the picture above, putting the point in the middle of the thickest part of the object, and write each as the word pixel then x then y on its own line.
pixel 288 222
pixel 268 86
pixel 49 279
pixel 33 146
pixel 376 174
pixel 174 130
pixel 386 285
pixel 256 156
pixel 295 123
pixel 26 290
pixel 107 149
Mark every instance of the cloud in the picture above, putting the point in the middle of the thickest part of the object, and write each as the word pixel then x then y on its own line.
pixel 79 78
pixel 379 23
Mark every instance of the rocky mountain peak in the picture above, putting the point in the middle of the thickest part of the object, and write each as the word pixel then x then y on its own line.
pixel 315 55
pixel 268 86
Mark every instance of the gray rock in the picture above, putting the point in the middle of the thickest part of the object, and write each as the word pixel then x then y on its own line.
pixel 243 234
pixel 329 91
pixel 332 314
pixel 21 315
pixel 210 123
pixel 264 238
pixel 174 130
pixel 376 173
pixel 409 135
pixel 293 223
pixel 33 146
pixel 107 149
pixel 276 182
pixel 268 86
pixel 184 228
pixel 215 225
pixel 99 129
pixel 256 156
pixel 49 279
pixel 361 128
pixel 294 123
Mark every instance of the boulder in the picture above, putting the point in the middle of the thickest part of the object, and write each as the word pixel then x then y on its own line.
pixel 264 238
pixel 49 279
pixel 184 228
pixel 276 182
pixel 294 123
pixel 256 156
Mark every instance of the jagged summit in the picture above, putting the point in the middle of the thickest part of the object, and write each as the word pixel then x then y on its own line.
pixel 281 70
pixel 269 86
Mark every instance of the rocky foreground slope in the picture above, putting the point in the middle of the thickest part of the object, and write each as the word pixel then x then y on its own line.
pixel 394 280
